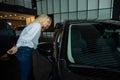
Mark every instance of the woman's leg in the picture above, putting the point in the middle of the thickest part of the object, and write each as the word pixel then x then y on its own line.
pixel 24 55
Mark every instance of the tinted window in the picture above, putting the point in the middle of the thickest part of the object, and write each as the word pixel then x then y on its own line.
pixel 88 46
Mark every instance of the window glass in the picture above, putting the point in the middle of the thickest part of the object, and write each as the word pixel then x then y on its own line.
pixel 93 44
pixel 82 5
pixel 50 6
pixel 72 5
pixel 105 14
pixel 64 6
pixel 56 18
pixel 73 15
pixel 93 14
pixel 92 4
pixel 76 43
pixel 82 15
pixel 56 6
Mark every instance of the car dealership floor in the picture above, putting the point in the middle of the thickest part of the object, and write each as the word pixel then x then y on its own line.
pixel 9 69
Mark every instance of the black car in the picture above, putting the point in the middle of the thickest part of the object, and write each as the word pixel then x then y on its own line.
pixel 7 37
pixel 86 50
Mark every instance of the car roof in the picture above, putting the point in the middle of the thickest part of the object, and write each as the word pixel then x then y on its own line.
pixel 91 21
pixel 111 24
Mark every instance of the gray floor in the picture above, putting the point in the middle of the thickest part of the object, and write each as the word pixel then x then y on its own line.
pixel 9 69
pixel 41 66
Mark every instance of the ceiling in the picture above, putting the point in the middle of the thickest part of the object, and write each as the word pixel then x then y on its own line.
pixel 14 16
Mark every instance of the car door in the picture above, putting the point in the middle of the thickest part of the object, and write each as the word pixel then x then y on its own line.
pixel 81 55
pixel 7 37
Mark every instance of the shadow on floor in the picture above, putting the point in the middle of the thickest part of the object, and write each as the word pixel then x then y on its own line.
pixel 9 69
pixel 41 66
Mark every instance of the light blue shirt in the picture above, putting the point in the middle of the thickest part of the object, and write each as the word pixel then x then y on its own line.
pixel 30 36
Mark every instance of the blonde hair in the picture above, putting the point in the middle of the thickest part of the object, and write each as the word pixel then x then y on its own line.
pixel 43 17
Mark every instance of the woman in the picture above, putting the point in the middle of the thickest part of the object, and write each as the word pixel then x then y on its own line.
pixel 27 42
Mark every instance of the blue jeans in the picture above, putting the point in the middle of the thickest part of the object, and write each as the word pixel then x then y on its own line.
pixel 24 56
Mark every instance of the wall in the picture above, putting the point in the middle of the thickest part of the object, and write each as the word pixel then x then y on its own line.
pixel 76 9
pixel 25 3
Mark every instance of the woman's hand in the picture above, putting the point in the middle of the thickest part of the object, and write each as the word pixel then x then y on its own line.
pixel 13 50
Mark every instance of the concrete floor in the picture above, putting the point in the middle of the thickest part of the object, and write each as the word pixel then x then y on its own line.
pixel 41 66
pixel 9 69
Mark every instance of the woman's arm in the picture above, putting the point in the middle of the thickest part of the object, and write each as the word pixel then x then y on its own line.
pixel 13 50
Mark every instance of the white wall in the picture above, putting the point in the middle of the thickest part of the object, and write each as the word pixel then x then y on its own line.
pixel 76 9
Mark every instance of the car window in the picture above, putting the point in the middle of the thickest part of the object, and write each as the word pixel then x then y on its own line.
pixel 88 46
pixel 75 41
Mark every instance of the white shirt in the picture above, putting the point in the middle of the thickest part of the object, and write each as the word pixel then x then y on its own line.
pixel 30 36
